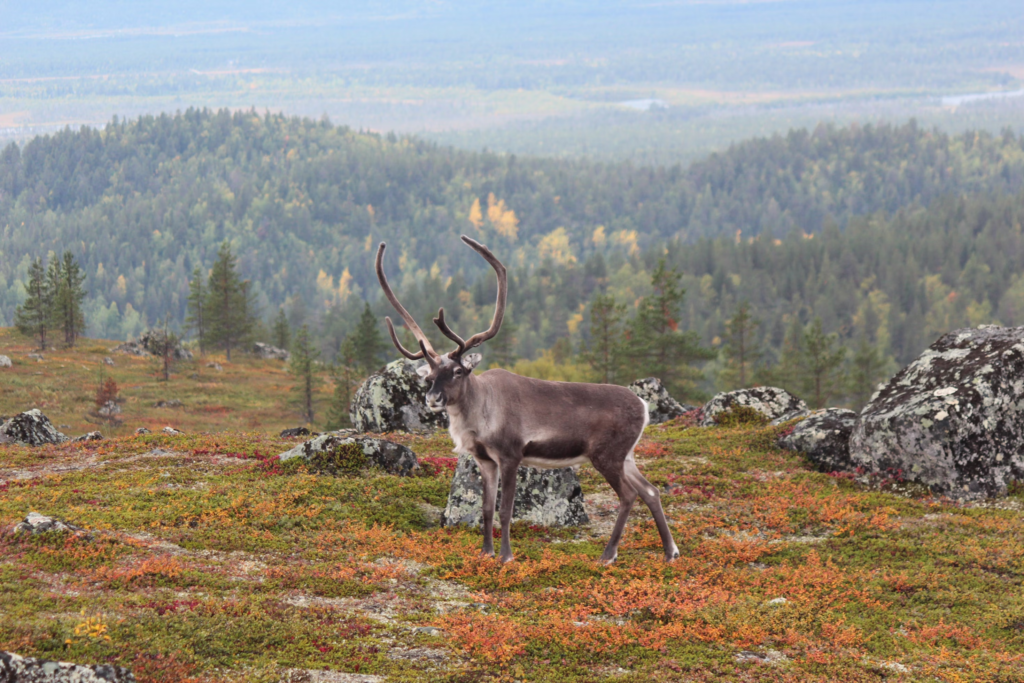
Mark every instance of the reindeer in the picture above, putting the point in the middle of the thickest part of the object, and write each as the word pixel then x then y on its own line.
pixel 503 421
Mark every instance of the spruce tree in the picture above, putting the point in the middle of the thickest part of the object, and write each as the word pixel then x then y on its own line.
pixel 229 303
pixel 822 364
pixel 281 331
pixel 741 348
pixel 34 317
pixel 67 298
pixel 605 351
pixel 303 368
pixel 196 319
pixel 655 344
pixel 367 341
pixel 344 374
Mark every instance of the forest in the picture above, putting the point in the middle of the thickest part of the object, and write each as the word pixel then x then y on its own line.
pixel 890 235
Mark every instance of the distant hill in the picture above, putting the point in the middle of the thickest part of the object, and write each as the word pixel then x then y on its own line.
pixel 144 202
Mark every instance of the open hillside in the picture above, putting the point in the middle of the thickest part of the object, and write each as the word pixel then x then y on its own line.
pixel 209 561
pixel 144 202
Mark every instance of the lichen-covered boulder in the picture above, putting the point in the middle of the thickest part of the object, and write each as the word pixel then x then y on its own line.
pixel 109 409
pixel 268 352
pixel 88 436
pixel 152 342
pixel 544 497
pixel 394 399
pixel 392 457
pixel 771 402
pixel 5 362
pixel 35 523
pixel 17 669
pixel 294 432
pixel 824 437
pixel 31 428
pixel 660 405
pixel 952 420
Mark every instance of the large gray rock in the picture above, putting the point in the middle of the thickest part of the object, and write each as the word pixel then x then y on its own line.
pixel 5 362
pixel 151 343
pixel 31 428
pixel 17 669
pixel 771 402
pixel 394 399
pixel 392 457
pixel 544 497
pixel 268 352
pixel 35 523
pixel 824 437
pixel 660 405
pixel 952 420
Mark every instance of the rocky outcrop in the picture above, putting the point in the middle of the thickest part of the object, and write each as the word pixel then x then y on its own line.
pixel 151 343
pixel 394 399
pixel 31 428
pixel 268 352
pixel 660 405
pixel 294 432
pixel 952 420
pixel 392 457
pixel 109 409
pixel 5 362
pixel 771 402
pixel 824 437
pixel 35 523
pixel 544 497
pixel 17 669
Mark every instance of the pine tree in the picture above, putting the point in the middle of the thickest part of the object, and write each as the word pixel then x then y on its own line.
pixel 605 351
pixel 196 320
pixel 67 297
pixel 822 364
pixel 303 368
pixel 229 303
pixel 866 370
pixel 656 345
pixel 281 331
pixel 33 318
pixel 344 374
pixel 741 348
pixel 367 341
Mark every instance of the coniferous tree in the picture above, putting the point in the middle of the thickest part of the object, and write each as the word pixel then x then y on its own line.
pixel 344 374
pixel 229 303
pixel 164 345
pixel 604 354
pixel 68 299
pixel 501 350
pixel 281 331
pixel 196 320
pixel 655 343
pixel 822 364
pixel 303 367
pixel 368 342
pixel 866 370
pixel 741 348
pixel 34 317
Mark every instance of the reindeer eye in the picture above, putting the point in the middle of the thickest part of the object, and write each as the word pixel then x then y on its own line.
pixel 458 372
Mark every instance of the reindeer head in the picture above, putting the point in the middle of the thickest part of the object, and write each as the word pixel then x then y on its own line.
pixel 449 373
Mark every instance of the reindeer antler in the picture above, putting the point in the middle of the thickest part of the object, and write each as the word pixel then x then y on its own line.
pixel 499 306
pixel 426 350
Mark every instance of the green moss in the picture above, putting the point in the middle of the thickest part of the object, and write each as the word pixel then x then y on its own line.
pixel 343 459
pixel 740 415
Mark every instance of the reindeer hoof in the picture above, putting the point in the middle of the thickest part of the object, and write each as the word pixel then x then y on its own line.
pixel 608 561
pixel 505 559
pixel 486 553
pixel 674 555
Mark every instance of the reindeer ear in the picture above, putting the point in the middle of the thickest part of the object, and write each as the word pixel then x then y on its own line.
pixel 471 360
pixel 423 370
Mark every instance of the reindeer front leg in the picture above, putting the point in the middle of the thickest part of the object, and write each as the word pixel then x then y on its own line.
pixel 509 467
pixel 489 478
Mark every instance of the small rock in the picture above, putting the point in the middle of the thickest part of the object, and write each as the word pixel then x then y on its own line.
pixel 5 362
pixel 15 668
pixel 660 405
pixel 215 365
pixel 109 409
pixel 31 428
pixel 544 497
pixel 36 523
pixel 427 630
pixel 777 601
pixel 142 430
pixel 391 457
pixel 393 399
pixel 173 403
pixel 107 360
pixel 172 431
pixel 36 357
pixel 90 436
pixel 766 657
pixel 824 437
pixel 294 432
pixel 771 402
pixel 268 352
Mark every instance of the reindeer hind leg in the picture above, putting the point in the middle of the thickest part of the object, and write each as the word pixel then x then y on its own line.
pixel 627 497
pixel 649 493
